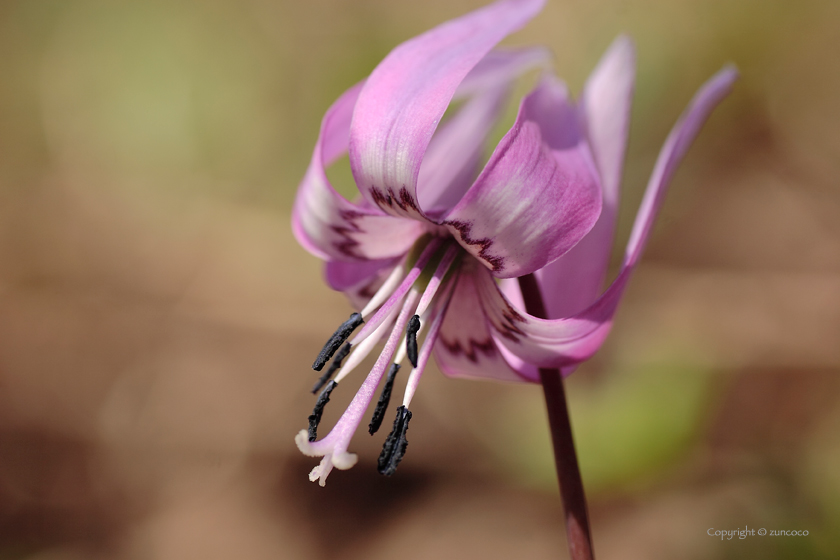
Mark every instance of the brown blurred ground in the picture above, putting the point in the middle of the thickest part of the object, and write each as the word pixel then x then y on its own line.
pixel 157 319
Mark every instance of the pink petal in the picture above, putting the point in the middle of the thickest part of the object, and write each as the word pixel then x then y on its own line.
pixel 574 281
pixel 407 94
pixel 342 275
pixel 566 342
pixel 465 346
pixel 358 280
pixel 605 106
pixel 453 158
pixel 501 66
pixel 328 225
pixel 537 196
pixel 678 142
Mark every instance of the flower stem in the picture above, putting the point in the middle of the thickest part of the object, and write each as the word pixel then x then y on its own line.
pixel 565 458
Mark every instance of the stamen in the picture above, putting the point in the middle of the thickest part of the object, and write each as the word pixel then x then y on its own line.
pixel 401 351
pixel 334 445
pixel 396 444
pixel 411 339
pixel 334 365
pixel 336 340
pixel 384 399
pixel 364 347
pixel 428 346
pixel 315 417
pixel 437 278
pixel 383 292
pixel 398 294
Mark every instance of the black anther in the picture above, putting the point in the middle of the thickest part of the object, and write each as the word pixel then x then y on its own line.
pixel 337 339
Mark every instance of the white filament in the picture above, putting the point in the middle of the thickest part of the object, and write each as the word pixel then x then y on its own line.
pixel 364 347
pixel 382 294
pixel 428 345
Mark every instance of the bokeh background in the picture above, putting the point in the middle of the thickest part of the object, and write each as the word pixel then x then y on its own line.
pixel 157 319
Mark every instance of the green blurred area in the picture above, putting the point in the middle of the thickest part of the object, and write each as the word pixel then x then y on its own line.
pixel 157 318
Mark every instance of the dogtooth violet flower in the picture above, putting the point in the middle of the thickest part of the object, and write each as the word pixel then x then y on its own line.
pixel 436 243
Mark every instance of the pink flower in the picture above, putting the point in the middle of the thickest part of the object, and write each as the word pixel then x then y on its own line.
pixel 432 233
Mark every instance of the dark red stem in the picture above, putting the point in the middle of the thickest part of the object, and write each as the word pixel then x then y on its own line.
pixel 565 457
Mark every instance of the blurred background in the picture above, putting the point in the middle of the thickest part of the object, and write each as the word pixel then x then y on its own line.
pixel 158 320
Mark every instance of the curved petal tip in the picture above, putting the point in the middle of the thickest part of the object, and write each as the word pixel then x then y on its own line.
pixel 407 94
pixel 727 75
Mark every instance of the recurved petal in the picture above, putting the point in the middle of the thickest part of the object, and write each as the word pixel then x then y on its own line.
pixel 453 158
pixel 358 280
pixel 574 281
pixel 605 107
pixel 539 193
pixel 676 145
pixel 542 343
pixel 465 346
pixel 569 341
pixel 341 275
pixel 501 66
pixel 405 97
pixel 328 225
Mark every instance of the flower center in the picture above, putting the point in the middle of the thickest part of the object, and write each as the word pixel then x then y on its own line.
pixel 415 295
